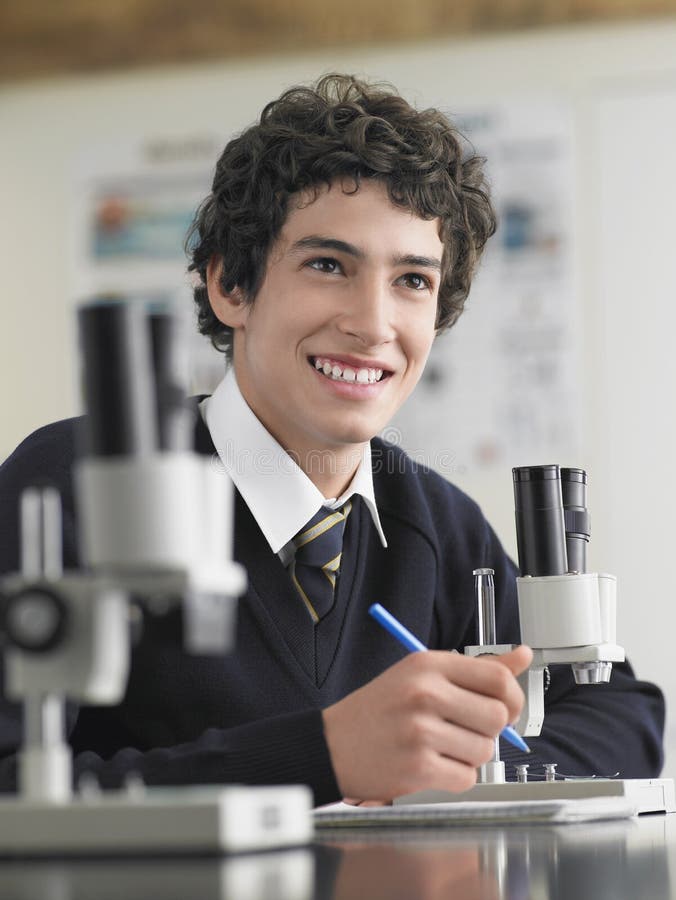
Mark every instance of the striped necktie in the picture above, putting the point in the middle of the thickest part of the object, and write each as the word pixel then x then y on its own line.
pixel 317 561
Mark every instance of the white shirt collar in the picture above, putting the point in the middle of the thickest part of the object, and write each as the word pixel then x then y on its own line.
pixel 278 493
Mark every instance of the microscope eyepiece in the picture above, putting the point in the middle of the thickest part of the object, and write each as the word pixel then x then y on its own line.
pixel 134 378
pixel 540 528
pixel 174 415
pixel 576 517
pixel 117 379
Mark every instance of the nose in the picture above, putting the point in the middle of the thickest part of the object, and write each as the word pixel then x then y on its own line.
pixel 368 313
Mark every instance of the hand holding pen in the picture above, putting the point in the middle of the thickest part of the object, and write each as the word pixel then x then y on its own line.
pixel 406 639
pixel 428 721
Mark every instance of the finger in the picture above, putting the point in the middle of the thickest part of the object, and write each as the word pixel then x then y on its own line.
pixel 482 675
pixel 451 740
pixel 429 696
pixel 450 774
pixel 466 682
pixel 517 660
pixel 485 716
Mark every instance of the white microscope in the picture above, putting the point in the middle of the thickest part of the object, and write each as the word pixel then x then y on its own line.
pixel 567 616
pixel 155 523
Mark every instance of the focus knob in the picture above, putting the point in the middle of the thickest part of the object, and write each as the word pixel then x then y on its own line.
pixel 35 619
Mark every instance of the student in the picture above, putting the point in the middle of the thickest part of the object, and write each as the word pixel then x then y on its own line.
pixel 339 239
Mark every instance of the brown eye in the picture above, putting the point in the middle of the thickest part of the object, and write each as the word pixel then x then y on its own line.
pixel 324 264
pixel 415 281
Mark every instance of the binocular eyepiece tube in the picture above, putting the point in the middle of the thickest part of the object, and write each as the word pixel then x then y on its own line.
pixel 552 519
pixel 133 379
pixel 552 533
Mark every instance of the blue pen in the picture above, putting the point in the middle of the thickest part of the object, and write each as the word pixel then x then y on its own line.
pixel 404 636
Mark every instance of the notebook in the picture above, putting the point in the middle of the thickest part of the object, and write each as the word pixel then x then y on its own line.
pixel 504 812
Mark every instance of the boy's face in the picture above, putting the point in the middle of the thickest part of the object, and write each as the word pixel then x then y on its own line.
pixel 350 289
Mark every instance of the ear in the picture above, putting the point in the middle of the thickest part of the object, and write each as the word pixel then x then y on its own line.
pixel 230 307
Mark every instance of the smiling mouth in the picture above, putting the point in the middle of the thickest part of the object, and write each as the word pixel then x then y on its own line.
pixel 338 371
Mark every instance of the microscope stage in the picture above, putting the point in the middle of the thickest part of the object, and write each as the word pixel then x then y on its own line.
pixel 650 795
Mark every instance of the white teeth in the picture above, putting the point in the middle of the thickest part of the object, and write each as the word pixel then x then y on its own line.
pixel 335 372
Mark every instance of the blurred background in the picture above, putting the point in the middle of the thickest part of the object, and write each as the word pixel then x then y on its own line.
pixel 112 117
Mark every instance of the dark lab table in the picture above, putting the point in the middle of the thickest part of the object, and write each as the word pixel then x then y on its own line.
pixel 614 860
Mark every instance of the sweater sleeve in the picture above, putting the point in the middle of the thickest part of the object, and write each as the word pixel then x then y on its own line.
pixel 286 749
pixel 600 729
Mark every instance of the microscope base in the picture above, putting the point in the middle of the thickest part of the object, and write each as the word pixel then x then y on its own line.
pixel 650 795
pixel 166 821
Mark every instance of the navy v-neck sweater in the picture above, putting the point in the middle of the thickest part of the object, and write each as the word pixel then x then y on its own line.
pixel 254 715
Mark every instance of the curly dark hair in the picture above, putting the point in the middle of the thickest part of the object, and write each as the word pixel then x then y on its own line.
pixel 339 129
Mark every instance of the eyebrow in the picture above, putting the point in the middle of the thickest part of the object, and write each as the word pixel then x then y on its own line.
pixel 318 242
pixel 418 262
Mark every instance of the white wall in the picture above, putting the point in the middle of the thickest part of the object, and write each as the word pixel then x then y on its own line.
pixel 621 82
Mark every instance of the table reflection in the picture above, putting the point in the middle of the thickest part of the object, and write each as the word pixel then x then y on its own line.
pixel 282 875
pixel 603 861
pixel 620 860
